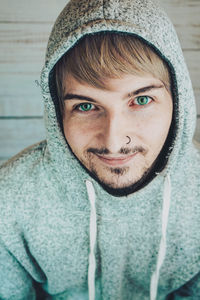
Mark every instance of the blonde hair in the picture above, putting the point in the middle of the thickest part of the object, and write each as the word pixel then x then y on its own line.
pixel 99 56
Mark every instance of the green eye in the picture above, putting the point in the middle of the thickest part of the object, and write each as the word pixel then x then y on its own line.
pixel 142 100
pixel 85 107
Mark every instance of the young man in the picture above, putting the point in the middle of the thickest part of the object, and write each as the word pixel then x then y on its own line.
pixel 108 206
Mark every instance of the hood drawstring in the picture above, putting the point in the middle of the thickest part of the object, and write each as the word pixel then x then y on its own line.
pixel 93 236
pixel 163 244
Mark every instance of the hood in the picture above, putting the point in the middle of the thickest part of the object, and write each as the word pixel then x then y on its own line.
pixel 146 20
pixel 142 18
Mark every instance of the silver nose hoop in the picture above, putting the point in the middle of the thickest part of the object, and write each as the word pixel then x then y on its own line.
pixel 129 140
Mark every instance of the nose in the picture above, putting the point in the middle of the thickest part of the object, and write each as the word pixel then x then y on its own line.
pixel 116 132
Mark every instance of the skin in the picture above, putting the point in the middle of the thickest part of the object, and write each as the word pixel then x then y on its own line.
pixel 98 123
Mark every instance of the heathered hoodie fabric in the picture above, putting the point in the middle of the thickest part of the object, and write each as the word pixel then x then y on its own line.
pixel 147 244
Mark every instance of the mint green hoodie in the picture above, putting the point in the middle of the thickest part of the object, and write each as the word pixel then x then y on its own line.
pixel 62 236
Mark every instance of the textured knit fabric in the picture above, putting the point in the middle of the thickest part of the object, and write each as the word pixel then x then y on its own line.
pixel 44 205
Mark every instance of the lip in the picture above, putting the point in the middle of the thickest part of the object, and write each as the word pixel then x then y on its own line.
pixel 116 161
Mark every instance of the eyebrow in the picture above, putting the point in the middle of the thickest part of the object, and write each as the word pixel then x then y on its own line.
pixel 148 88
pixel 79 97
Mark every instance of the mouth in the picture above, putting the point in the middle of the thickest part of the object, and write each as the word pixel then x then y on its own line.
pixel 116 160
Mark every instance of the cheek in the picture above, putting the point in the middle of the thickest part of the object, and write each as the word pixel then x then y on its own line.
pixel 77 136
pixel 154 130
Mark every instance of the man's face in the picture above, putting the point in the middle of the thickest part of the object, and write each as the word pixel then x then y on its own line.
pixel 117 132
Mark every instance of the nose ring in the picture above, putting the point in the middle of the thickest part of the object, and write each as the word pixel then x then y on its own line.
pixel 129 140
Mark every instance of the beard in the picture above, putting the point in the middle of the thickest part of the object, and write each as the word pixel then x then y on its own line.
pixel 114 188
pixel 124 190
pixel 129 188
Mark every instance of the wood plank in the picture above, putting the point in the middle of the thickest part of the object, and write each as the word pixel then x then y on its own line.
pixel 23 11
pixel 185 16
pixel 22 55
pixel 197 97
pixel 23 46
pixel 193 61
pixel 20 95
pixel 197 132
pixel 179 8
pixel 16 134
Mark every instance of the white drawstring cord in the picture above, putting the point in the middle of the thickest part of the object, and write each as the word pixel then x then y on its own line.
pixel 163 244
pixel 93 234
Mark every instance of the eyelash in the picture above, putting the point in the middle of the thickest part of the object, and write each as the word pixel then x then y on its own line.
pixel 77 107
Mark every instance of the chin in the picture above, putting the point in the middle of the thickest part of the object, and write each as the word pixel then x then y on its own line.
pixel 122 187
pixel 121 190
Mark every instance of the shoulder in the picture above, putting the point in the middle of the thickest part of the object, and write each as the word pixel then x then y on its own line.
pixel 21 174
pixel 22 163
pixel 24 185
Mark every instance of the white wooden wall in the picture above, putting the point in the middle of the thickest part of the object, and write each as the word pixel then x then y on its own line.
pixel 24 29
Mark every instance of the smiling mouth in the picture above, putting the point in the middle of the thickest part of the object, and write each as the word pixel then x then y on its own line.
pixel 116 161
